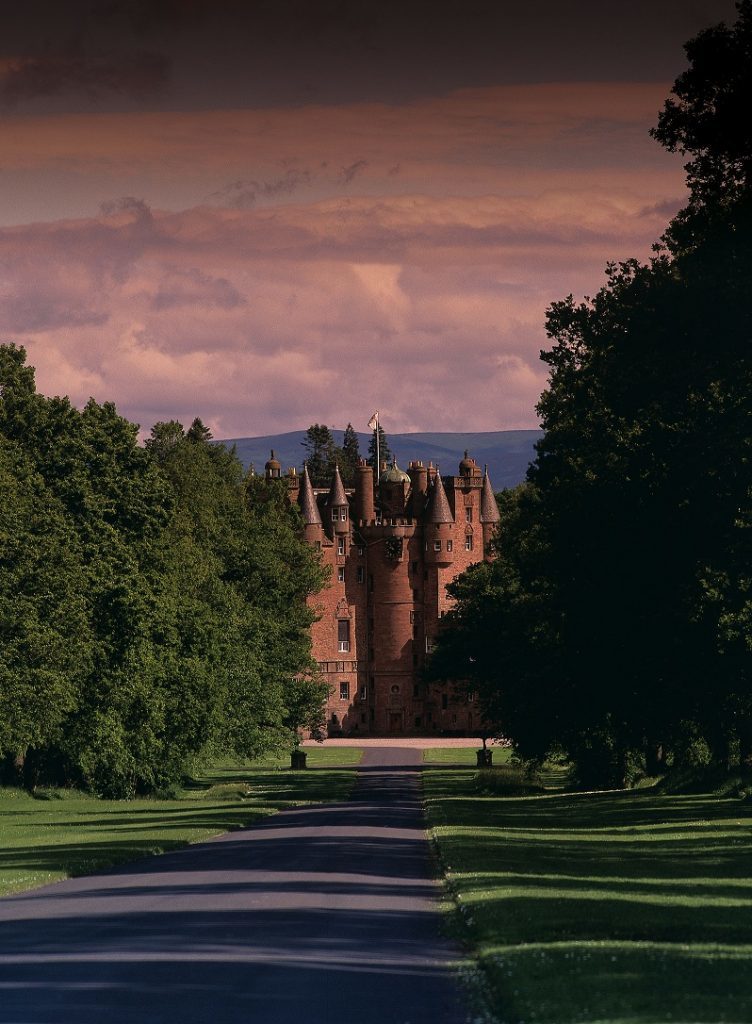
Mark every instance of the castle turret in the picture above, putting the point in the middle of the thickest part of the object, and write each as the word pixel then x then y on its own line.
pixel 438 525
pixel 365 505
pixel 393 487
pixel 468 466
pixel 338 505
pixel 489 511
pixel 418 489
pixel 273 468
pixel 313 528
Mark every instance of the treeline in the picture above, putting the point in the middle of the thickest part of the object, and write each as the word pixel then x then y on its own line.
pixel 322 453
pixel 152 599
pixel 615 625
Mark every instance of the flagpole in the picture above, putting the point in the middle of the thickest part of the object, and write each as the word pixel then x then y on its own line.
pixel 374 422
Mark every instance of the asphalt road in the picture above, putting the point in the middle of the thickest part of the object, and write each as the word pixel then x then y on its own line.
pixel 321 914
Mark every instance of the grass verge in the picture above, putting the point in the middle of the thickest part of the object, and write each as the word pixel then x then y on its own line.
pixel 617 908
pixel 61 833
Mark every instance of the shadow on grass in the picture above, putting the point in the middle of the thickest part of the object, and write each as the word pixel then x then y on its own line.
pixel 562 895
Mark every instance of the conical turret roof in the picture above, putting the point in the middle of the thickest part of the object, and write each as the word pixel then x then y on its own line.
pixel 337 496
pixel 438 510
pixel 309 510
pixel 489 510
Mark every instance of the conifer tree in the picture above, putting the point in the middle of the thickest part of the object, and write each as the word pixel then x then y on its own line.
pixel 349 456
pixel 385 452
pixel 320 454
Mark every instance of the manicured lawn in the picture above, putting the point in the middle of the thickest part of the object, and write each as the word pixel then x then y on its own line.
pixel 60 833
pixel 615 908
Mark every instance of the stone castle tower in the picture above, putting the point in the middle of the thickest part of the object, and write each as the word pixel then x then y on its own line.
pixel 393 545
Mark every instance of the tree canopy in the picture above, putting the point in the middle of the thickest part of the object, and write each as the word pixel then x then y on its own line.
pixel 616 622
pixel 147 603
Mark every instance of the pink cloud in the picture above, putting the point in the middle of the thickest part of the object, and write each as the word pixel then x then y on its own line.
pixel 266 319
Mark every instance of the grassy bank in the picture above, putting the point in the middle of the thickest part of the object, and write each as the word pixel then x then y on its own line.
pixel 618 908
pixel 57 833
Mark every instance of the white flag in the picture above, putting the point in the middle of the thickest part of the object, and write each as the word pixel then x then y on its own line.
pixel 374 421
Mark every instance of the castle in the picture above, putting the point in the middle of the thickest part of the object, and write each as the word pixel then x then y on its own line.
pixel 393 545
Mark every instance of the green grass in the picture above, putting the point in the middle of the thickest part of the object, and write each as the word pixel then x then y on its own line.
pixel 61 833
pixel 617 908
pixel 463 755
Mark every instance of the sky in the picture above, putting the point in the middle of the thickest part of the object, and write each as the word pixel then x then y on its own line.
pixel 274 213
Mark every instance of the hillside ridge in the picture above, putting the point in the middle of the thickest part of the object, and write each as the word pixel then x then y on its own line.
pixel 507 453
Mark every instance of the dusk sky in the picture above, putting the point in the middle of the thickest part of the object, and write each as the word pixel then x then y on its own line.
pixel 278 213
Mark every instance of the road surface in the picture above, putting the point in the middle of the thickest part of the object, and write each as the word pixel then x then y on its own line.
pixel 320 914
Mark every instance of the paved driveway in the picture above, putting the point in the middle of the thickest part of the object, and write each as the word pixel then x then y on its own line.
pixel 317 914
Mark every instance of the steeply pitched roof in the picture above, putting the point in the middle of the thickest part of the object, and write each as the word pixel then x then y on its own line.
pixel 307 500
pixel 337 494
pixel 438 510
pixel 489 510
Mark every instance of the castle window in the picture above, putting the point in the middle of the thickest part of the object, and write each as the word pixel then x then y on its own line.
pixel 318 545
pixel 343 635
pixel 454 719
pixel 361 574
pixel 437 545
pixel 417 721
pixel 444 702
pixel 430 644
pixel 415 661
pixel 468 513
pixel 335 515
pixel 340 574
pixel 412 616
pixel 344 690
pixel 361 550
pixel 340 545
pixel 468 543
pixel 370 583
pixel 363 692
pixel 363 717
pixel 395 688
pixel 450 545
pixel 343 515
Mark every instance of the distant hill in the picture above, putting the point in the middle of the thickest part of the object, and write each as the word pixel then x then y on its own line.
pixel 506 452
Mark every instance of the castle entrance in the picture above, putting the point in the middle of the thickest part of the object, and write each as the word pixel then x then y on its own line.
pixel 395 721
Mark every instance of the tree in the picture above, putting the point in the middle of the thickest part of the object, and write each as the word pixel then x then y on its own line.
pixel 708 118
pixel 632 575
pixel 385 454
pixel 320 454
pixel 349 456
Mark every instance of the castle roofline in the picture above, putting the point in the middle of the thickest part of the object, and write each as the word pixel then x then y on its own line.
pixel 337 496
pixel 309 510
pixel 489 510
pixel 438 510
